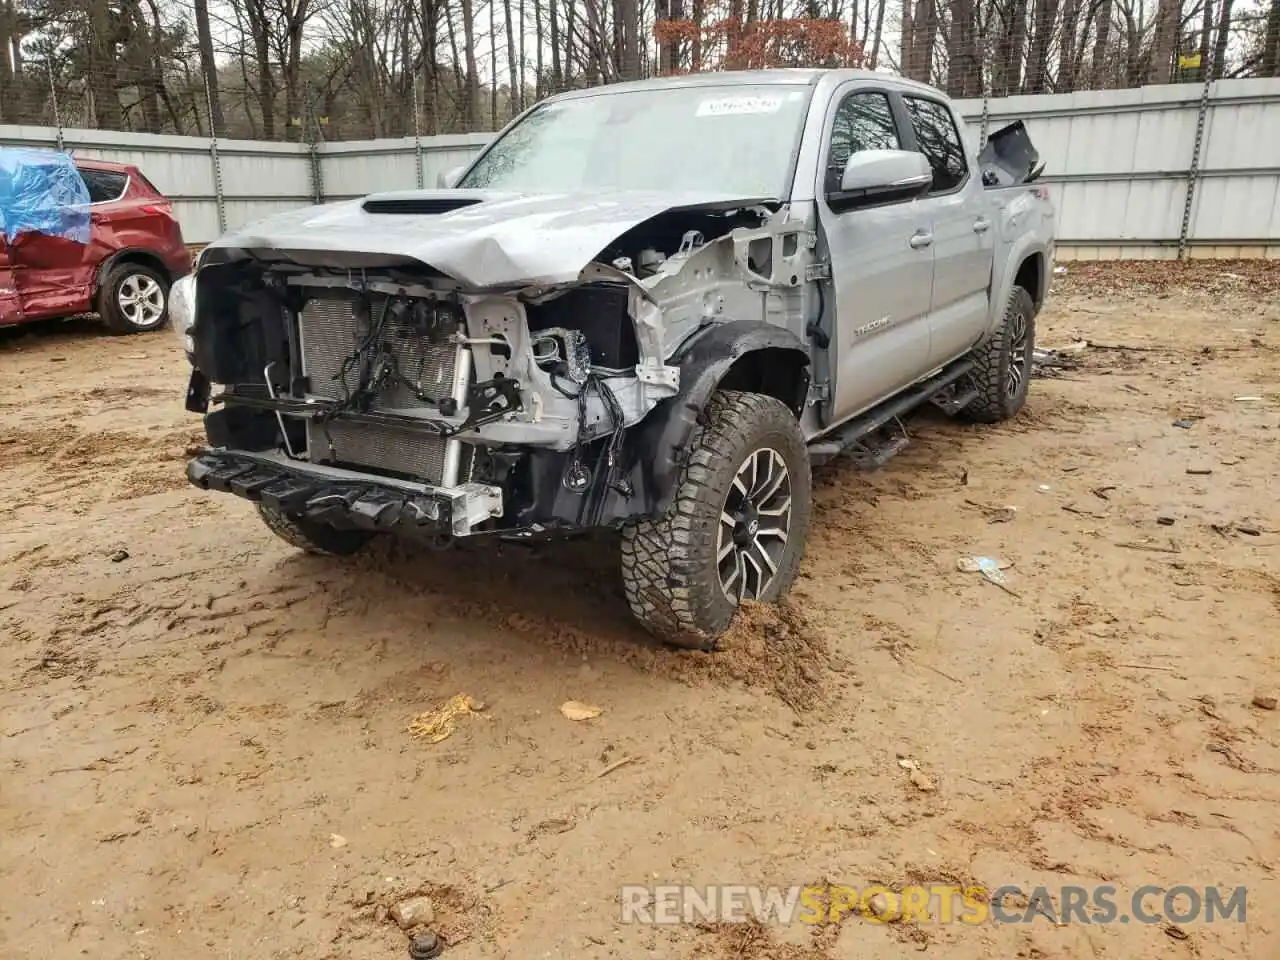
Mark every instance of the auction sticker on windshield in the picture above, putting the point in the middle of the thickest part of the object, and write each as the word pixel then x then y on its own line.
pixel 727 106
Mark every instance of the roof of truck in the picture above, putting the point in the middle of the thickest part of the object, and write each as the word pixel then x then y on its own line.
pixel 722 78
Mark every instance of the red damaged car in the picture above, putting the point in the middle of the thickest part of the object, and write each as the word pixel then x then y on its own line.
pixel 133 254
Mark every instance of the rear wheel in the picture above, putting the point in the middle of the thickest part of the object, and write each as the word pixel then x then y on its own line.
pixel 736 529
pixel 133 299
pixel 1002 371
pixel 311 536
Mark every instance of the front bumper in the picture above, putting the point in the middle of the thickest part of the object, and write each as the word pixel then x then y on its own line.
pixel 346 498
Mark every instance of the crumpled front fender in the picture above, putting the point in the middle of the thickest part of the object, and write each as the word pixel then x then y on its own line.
pixel 662 441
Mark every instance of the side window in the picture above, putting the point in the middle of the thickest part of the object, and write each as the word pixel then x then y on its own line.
pixel 939 140
pixel 863 121
pixel 104 185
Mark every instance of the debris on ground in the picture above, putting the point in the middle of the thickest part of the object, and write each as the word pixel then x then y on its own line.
pixel 878 906
pixel 1150 547
pixel 414 912
pixel 1118 347
pixel 1199 471
pixel 1165 520
pixel 337 841
pixel 1263 701
pixel 439 724
pixel 976 564
pixel 919 779
pixel 118 556
pixel 1186 423
pixel 990 568
pixel 1092 514
pixel 616 765
pixel 922 781
pixel 994 514
pixel 577 710
pixel 425 946
pixel 1053 363
pixel 1249 530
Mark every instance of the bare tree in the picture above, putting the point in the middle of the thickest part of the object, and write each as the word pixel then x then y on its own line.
pixel 1168 14
pixel 274 68
pixel 1270 64
pixel 208 66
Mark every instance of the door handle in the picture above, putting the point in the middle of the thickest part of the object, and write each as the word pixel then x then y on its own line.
pixel 920 240
pixel 981 225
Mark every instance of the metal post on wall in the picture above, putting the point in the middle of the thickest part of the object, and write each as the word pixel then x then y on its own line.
pixel 984 73
pixel 1193 173
pixel 57 116
pixel 217 166
pixel 417 135
pixel 317 179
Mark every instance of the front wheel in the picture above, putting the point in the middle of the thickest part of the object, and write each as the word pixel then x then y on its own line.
pixel 310 536
pixel 1002 371
pixel 736 530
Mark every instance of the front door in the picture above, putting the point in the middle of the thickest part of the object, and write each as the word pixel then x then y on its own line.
pixel 963 232
pixel 881 262
pixel 55 274
pixel 10 302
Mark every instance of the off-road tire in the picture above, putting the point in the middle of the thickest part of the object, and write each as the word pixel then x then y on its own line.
pixel 670 572
pixel 319 538
pixel 108 301
pixel 994 359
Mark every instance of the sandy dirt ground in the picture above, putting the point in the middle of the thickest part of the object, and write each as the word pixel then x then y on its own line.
pixel 204 743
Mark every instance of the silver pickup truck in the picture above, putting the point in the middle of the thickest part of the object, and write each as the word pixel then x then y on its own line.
pixel 648 307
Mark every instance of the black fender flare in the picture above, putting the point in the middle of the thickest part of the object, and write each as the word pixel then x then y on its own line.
pixel 661 440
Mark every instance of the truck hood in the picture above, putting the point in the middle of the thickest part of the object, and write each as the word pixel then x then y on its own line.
pixel 479 238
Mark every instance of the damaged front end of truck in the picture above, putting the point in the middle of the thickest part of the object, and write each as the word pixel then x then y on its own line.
pixel 461 362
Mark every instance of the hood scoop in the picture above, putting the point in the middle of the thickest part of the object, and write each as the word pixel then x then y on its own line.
pixel 420 206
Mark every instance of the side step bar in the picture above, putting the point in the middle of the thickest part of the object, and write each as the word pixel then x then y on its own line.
pixel 853 437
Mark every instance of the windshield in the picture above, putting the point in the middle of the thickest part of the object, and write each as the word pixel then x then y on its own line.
pixel 735 140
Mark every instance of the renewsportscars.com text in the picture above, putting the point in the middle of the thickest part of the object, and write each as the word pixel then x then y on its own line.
pixel 932 903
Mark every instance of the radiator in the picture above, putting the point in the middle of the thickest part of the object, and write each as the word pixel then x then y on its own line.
pixel 329 333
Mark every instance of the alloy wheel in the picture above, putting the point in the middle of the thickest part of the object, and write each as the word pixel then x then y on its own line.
pixel 1017 354
pixel 754 524
pixel 141 300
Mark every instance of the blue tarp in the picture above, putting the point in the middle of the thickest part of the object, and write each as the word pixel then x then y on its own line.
pixel 41 191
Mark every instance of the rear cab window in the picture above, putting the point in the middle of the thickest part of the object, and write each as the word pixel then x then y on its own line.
pixel 104 185
pixel 939 140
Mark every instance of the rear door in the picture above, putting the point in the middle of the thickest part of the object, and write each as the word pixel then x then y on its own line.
pixel 963 231
pixel 111 211
pixel 881 263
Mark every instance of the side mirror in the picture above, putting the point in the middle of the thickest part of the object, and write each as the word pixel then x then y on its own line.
pixel 873 177
pixel 449 178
